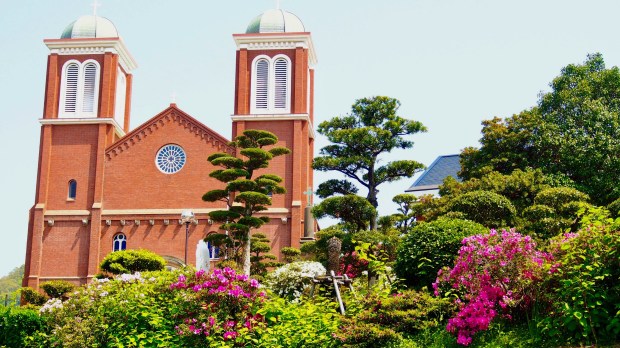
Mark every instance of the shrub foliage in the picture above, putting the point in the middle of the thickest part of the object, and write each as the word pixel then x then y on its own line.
pixel 131 261
pixel 430 246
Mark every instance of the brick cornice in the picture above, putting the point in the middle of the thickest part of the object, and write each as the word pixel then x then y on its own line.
pixel 175 115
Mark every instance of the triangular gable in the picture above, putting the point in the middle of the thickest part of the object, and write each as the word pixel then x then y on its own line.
pixel 170 114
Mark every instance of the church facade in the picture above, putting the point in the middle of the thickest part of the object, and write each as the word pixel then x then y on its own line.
pixel 103 186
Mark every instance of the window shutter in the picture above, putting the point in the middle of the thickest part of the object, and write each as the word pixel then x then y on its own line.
pixel 262 85
pixel 280 100
pixel 71 88
pixel 90 78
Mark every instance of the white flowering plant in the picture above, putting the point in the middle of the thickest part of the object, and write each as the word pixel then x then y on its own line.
pixel 292 280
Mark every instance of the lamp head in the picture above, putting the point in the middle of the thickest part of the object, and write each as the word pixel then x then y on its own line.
pixel 187 216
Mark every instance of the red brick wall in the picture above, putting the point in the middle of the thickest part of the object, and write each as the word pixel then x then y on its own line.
pixel 73 156
pixel 65 251
pixel 126 186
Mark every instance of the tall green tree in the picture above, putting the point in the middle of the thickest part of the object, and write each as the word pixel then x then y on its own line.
pixel 359 140
pixel 250 191
pixel 573 133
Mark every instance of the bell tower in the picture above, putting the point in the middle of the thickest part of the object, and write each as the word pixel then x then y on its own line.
pixel 274 91
pixel 86 108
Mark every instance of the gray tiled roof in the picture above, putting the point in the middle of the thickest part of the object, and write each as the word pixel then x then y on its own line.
pixel 441 168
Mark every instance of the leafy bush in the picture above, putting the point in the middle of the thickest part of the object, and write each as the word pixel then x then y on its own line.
pixel 485 207
pixel 57 288
pixel 494 274
pixel 614 208
pixel 429 246
pixel 305 324
pixel 259 260
pixel 384 320
pixel 290 254
pixel 218 308
pixel 554 211
pixel 32 296
pixel 131 261
pixel 16 324
pixel 290 280
pixel 585 283
pixel 130 310
pixel 352 265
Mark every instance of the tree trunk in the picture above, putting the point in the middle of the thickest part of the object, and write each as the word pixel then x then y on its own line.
pixel 246 257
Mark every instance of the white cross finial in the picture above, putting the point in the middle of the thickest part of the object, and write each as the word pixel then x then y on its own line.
pixel 277 4
pixel 309 194
pixel 174 97
pixel 95 5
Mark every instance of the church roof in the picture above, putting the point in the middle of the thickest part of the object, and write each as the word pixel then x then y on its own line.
pixel 434 176
pixel 275 21
pixel 175 115
pixel 88 27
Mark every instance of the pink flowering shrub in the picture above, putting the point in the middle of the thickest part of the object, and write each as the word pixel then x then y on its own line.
pixel 352 265
pixel 494 275
pixel 219 307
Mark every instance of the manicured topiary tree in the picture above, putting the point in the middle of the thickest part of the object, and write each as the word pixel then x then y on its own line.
pixel 485 207
pixel 430 246
pixel 57 288
pixel 130 261
pixel 251 192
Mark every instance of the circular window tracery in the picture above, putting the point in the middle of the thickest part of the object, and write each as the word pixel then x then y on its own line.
pixel 170 159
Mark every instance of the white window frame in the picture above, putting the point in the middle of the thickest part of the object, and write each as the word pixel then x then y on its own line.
pixel 121 97
pixel 271 85
pixel 80 90
pixel 117 237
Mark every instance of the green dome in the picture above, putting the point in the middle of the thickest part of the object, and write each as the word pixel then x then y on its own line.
pixel 90 27
pixel 275 21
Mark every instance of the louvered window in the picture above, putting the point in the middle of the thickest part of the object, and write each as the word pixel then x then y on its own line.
pixel 262 85
pixel 121 91
pixel 280 98
pixel 71 88
pixel 90 78
pixel 79 89
pixel 271 85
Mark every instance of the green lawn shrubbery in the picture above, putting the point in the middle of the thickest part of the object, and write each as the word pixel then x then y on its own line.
pixel 429 246
pixel 130 261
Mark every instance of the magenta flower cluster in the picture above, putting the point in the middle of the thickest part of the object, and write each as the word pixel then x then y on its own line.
pixel 493 275
pixel 219 303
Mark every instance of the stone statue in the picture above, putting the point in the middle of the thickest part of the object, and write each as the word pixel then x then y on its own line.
pixel 202 256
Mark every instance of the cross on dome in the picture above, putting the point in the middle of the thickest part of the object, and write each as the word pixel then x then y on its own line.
pixel 95 4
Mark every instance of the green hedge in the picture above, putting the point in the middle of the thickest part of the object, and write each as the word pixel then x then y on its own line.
pixel 131 261
pixel 429 247
pixel 16 324
pixel 485 207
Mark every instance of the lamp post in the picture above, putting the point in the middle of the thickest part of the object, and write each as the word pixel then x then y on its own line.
pixel 187 217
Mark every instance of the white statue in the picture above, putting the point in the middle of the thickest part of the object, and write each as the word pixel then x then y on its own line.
pixel 202 256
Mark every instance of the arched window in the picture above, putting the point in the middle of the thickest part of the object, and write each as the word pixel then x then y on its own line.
pixel 271 85
pixel 280 98
pixel 71 75
pixel 90 79
pixel 79 90
pixel 72 190
pixel 261 85
pixel 120 242
pixel 214 252
pixel 121 91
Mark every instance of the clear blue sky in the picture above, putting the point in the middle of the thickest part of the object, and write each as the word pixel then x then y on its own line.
pixel 452 64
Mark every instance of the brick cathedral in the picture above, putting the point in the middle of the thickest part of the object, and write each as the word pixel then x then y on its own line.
pixel 104 186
